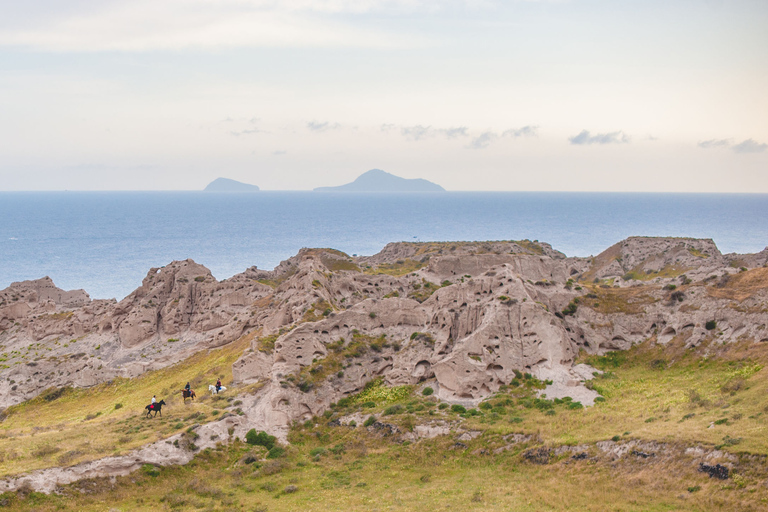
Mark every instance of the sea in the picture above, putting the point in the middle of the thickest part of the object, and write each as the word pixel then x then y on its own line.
pixel 106 242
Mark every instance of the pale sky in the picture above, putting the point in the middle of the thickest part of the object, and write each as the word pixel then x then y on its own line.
pixel 565 95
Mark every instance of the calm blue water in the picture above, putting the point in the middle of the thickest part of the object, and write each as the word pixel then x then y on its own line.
pixel 105 242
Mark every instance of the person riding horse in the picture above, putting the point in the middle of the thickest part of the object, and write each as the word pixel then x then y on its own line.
pixel 156 407
pixel 218 385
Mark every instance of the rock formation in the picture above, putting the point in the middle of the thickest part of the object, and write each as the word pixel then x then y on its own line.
pixel 467 316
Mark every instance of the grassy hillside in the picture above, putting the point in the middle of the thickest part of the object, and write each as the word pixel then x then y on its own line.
pixel 670 398
pixel 65 426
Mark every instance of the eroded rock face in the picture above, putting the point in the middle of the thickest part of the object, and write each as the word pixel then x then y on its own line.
pixel 466 315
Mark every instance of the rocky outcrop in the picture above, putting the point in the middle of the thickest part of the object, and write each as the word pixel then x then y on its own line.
pixel 466 314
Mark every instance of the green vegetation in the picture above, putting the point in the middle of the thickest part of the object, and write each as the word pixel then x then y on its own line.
pixel 399 268
pixel 422 291
pixel 68 425
pixel 670 395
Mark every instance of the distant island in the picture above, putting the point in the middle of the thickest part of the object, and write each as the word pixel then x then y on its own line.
pixel 377 180
pixel 227 185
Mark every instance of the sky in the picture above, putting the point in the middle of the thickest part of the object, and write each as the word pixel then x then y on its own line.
pixel 512 95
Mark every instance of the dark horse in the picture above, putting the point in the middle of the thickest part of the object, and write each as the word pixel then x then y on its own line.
pixel 156 408
pixel 188 394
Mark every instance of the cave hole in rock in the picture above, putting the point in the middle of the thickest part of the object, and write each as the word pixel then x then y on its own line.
pixel 423 370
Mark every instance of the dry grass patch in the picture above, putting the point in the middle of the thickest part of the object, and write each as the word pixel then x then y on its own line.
pixel 87 424
pixel 630 301
pixel 741 286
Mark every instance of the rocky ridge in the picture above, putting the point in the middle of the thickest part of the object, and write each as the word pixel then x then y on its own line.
pixel 466 315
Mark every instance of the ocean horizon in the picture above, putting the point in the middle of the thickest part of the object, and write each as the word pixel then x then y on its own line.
pixel 106 242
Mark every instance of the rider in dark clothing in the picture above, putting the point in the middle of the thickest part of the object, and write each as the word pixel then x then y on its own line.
pixel 187 388
pixel 218 385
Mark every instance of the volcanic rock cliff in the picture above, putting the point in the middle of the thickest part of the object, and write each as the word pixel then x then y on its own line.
pixel 467 315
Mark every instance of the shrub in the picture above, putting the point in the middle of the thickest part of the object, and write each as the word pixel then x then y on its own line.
pixel 458 408
pixel 150 470
pixel 260 438
pixel 550 412
pixel 427 391
pixel 570 309
pixel 372 314
pixel 442 406
pixel 369 404
pixel 317 452
pixel 670 287
pixel 393 409
pixel 118 406
pixel 615 438
pixel 575 405
pixel 370 421
pixel 486 406
pixel 599 399
pixel 515 419
pixel 710 325
pixel 276 452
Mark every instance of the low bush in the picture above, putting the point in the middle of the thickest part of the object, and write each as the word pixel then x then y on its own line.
pixel 427 391
pixel 393 409
pixel 260 438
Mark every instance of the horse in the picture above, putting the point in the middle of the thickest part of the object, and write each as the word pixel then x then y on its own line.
pixel 213 391
pixel 157 407
pixel 188 394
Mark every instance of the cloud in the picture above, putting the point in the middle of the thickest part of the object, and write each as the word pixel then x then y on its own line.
pixel 316 126
pixel 249 131
pixel 452 133
pixel 419 132
pixel 750 146
pixel 525 131
pixel 745 146
pixel 714 143
pixel 147 25
pixel 483 140
pixel 416 132
pixel 585 138
pixel 279 152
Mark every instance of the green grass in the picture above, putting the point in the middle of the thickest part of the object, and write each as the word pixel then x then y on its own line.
pixel 670 395
pixel 85 424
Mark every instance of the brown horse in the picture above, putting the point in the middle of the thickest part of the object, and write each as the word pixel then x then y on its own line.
pixel 188 394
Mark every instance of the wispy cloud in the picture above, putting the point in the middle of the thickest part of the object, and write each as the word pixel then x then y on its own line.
pixel 745 146
pixel 317 126
pixel 249 131
pixel 585 138
pixel 750 146
pixel 279 152
pixel 714 143
pixel 147 25
pixel 419 132
pixel 483 140
pixel 525 131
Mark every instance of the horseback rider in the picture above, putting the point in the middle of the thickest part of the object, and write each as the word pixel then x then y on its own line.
pixel 218 385
pixel 187 388
pixel 153 402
